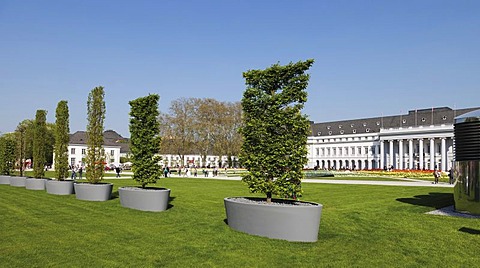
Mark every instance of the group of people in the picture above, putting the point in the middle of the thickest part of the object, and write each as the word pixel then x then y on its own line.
pixel 77 170
pixel 189 171
pixel 437 174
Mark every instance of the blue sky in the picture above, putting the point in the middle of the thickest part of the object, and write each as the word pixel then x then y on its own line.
pixel 371 57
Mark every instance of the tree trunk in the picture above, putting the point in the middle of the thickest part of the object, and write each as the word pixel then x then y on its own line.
pixel 269 197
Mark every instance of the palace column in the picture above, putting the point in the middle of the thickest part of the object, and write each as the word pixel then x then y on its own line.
pixel 390 142
pixel 420 152
pixel 376 155
pixel 432 154
pixel 444 156
pixel 400 154
pixel 382 154
pixel 410 154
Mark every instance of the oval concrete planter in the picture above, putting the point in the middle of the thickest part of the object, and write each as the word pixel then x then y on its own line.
pixel 290 220
pixel 149 199
pixel 4 179
pixel 59 187
pixel 35 184
pixel 93 192
pixel 17 181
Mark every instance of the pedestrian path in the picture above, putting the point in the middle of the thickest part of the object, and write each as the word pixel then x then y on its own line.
pixel 400 182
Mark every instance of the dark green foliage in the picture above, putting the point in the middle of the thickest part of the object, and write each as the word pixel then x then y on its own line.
pixel 145 139
pixel 22 134
pixel 49 143
pixel 61 140
pixel 7 154
pixel 95 152
pixel 274 131
pixel 39 144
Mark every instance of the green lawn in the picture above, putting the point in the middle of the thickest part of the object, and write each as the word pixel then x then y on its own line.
pixel 361 226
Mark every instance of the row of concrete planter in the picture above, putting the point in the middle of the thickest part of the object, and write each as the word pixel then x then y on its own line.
pixel 52 186
pixel 150 199
pixel 298 222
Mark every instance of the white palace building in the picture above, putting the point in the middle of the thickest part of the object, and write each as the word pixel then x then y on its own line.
pixel 421 139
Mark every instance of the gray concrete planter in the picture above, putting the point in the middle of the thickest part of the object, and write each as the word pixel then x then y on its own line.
pixel 149 199
pixel 17 181
pixel 93 192
pixel 4 179
pixel 286 219
pixel 59 187
pixel 35 184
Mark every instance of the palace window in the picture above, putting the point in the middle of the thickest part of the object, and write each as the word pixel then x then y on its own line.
pixel 72 151
pixel 423 119
pixel 354 131
pixel 367 130
pixel 341 131
pixel 444 118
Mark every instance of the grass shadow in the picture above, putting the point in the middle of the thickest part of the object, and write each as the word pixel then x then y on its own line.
pixel 170 199
pixel 433 200
pixel 469 230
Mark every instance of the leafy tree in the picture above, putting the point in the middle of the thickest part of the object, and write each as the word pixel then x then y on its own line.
pixel 61 140
pixel 229 140
pixel 145 139
pixel 95 152
pixel 7 153
pixel 274 131
pixel 177 128
pixel 39 144
pixel 23 133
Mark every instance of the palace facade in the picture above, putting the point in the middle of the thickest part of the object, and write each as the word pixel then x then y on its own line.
pixel 421 139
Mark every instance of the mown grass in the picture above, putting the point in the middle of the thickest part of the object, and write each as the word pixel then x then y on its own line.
pixel 361 226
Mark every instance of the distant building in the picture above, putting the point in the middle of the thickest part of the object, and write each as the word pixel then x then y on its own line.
pixel 117 146
pixel 113 143
pixel 421 139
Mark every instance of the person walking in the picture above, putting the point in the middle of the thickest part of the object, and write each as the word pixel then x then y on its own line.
pixel 80 172
pixel 74 172
pixel 117 170
pixel 436 176
pixel 450 176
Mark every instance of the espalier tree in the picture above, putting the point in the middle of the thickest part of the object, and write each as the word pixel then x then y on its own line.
pixel 61 140
pixel 274 130
pixel 145 139
pixel 95 152
pixel 39 145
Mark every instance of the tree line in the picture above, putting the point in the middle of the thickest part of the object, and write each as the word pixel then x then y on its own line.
pixel 192 126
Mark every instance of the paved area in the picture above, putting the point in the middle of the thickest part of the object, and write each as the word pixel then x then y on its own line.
pixel 400 182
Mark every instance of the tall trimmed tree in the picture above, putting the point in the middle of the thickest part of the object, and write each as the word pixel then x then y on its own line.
pixel 21 134
pixel 145 139
pixel 274 148
pixel 95 153
pixel 39 143
pixel 62 139
pixel 7 154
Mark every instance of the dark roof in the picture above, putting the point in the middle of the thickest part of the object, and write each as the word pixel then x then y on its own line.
pixel 110 138
pixel 421 117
